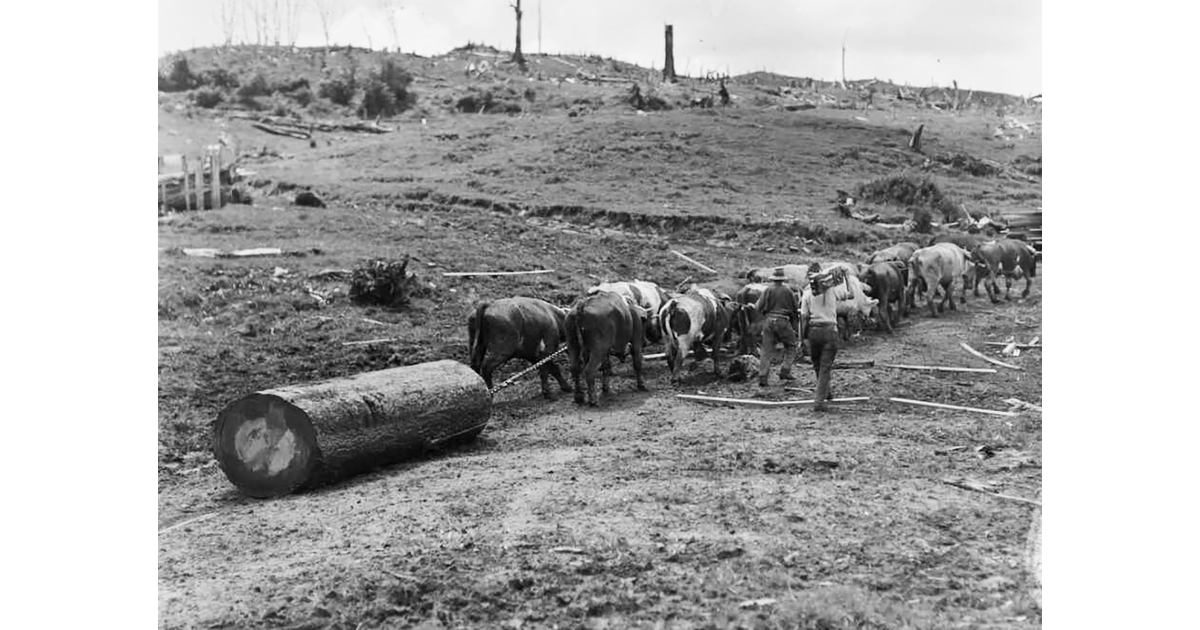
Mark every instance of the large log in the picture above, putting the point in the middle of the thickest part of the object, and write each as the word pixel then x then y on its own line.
pixel 277 441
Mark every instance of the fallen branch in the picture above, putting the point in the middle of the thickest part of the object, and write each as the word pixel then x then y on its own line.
pixel 460 274
pixel 844 365
pixel 956 407
pixel 966 486
pixel 299 135
pixel 939 368
pixel 947 451
pixel 187 522
pixel 1021 404
pixel 981 355
pixel 374 321
pixel 764 403
pixel 694 262
pixel 656 355
pixel 1022 346
pixel 369 341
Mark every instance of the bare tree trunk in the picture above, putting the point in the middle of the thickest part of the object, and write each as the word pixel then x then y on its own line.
pixel 517 56
pixel 669 64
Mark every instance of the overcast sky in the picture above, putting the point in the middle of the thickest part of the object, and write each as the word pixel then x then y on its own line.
pixel 993 45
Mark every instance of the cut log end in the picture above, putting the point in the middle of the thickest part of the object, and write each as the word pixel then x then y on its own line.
pixel 266 446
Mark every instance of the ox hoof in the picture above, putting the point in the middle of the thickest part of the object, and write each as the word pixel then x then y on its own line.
pixel 642 387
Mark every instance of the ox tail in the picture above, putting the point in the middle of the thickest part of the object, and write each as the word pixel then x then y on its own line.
pixel 575 345
pixel 1033 254
pixel 476 336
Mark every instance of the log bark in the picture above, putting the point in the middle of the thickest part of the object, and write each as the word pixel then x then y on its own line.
pixel 277 441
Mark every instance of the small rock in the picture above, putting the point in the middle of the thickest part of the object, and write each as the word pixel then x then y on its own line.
pixel 309 199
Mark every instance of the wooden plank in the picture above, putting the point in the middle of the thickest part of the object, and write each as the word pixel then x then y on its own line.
pixel 979 354
pixel 939 368
pixel 750 402
pixel 462 274
pixel 368 342
pixel 1022 346
pixel 656 355
pixel 694 262
pixel 954 407
pixel 215 162
pixel 187 197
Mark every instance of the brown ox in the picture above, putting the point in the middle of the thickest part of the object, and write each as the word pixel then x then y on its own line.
pixel 598 326
pixel 516 328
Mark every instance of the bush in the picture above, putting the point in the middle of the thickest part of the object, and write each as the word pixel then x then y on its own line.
pixel 377 99
pixel 220 78
pixel 303 96
pixel 208 98
pixel 339 90
pixel 257 86
pixel 293 86
pixel 179 78
pixel 396 79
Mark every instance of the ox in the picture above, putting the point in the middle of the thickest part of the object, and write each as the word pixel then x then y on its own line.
pixel 646 295
pixel 853 306
pixel 1013 258
pixel 886 281
pixel 796 276
pixel 598 326
pixel 900 251
pixel 520 328
pixel 962 239
pixel 747 321
pixel 938 265
pixel 700 316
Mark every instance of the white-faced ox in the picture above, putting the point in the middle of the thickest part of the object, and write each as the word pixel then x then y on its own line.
pixel 516 328
pixel 1011 257
pixel 598 326
pixel 938 265
pixel 701 316
pixel 646 295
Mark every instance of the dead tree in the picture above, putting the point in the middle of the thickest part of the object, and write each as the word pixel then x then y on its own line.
pixel 669 65
pixel 724 94
pixel 517 57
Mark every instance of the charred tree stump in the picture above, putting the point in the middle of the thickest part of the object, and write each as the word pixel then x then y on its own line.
pixel 914 143
pixel 277 441
pixel 669 65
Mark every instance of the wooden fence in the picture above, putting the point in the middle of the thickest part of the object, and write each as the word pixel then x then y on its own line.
pixel 197 179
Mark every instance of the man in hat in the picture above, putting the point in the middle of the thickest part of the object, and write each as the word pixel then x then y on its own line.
pixel 779 308
pixel 818 324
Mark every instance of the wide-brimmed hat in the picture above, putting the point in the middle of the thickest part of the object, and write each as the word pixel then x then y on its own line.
pixel 777 275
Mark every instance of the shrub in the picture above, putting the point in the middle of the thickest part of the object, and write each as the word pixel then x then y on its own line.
pixel 208 98
pixel 179 78
pixel 339 90
pixel 256 86
pixel 377 99
pixel 396 79
pixel 303 96
pixel 220 78
pixel 293 86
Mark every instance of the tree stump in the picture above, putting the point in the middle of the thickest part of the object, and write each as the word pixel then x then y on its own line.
pixel 277 441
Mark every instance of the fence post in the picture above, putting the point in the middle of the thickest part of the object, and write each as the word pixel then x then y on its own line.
pixel 187 192
pixel 200 185
pixel 216 179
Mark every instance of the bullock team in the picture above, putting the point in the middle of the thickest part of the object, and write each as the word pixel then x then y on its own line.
pixel 619 319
